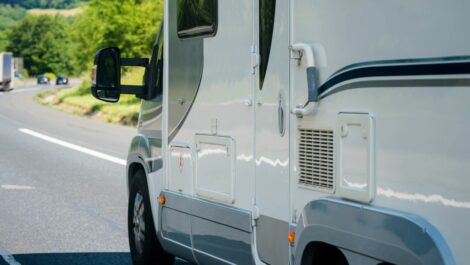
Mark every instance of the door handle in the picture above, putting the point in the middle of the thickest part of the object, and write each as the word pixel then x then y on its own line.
pixel 281 114
pixel 306 51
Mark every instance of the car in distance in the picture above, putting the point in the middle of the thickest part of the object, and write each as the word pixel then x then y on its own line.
pixel 43 80
pixel 62 80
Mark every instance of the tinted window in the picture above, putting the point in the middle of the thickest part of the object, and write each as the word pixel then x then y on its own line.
pixel 267 10
pixel 159 64
pixel 197 18
pixel 154 74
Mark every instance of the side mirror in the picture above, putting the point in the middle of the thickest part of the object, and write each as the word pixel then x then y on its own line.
pixel 106 75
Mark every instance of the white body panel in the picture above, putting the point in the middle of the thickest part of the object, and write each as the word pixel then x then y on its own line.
pixel 421 161
pixel 225 88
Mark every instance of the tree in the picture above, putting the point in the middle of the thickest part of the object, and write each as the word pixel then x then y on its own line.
pixel 44 43
pixel 128 24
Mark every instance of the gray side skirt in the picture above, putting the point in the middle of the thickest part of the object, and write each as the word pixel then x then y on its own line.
pixel 385 235
pixel 205 232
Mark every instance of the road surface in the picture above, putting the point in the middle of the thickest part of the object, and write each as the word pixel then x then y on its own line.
pixel 63 198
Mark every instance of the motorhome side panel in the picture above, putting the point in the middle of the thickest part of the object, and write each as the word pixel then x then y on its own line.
pixel 386 142
pixel 394 80
pixel 210 123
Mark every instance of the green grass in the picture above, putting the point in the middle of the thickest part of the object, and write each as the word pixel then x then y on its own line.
pixel 79 101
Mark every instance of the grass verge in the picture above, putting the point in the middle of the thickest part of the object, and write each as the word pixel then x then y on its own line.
pixel 79 101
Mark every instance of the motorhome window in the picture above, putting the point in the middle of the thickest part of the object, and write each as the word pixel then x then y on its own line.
pixel 267 12
pixel 159 65
pixel 197 18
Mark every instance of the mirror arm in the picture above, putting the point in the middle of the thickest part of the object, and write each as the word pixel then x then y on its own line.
pixel 139 91
pixel 141 62
pixel 133 90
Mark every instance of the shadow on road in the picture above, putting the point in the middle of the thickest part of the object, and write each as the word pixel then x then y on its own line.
pixel 108 258
pixel 74 259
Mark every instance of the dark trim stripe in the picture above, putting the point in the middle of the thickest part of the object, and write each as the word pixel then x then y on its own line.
pixel 452 82
pixel 406 61
pixel 447 66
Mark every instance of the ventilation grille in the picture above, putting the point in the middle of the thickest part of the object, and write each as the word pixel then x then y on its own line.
pixel 316 159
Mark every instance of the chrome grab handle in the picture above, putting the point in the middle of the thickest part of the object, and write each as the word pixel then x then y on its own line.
pixel 306 51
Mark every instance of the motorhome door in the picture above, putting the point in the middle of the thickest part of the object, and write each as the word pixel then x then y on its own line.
pixel 272 130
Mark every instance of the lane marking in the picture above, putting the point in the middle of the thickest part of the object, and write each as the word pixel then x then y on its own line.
pixel 16 187
pixel 9 259
pixel 74 147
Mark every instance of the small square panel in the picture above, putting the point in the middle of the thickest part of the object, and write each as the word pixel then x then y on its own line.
pixel 355 156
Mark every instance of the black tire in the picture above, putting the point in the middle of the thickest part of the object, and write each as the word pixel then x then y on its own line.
pixel 146 250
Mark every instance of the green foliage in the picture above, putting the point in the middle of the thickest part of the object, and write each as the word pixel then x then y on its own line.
pixel 44 43
pixel 67 45
pixel 25 73
pixel 128 24
pixel 42 3
pixel 9 17
pixel 51 76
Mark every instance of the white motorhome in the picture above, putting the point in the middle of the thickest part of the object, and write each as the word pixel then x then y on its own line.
pixel 6 71
pixel 301 132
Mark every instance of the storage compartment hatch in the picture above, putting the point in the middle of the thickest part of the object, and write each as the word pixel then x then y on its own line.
pixel 215 164
pixel 356 157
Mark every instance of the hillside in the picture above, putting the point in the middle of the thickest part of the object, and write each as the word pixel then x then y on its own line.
pixel 9 16
pixel 29 4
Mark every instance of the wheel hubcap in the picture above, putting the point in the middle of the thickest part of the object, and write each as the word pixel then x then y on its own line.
pixel 139 222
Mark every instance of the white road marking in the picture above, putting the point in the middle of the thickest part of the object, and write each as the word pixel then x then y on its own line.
pixel 74 147
pixel 1 93
pixel 9 259
pixel 16 187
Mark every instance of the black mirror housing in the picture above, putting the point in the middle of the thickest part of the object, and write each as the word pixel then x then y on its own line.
pixel 106 75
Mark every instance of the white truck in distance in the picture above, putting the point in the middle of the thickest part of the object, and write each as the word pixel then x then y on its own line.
pixel 301 132
pixel 7 73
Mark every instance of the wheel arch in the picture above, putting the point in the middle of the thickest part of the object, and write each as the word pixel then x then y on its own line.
pixel 139 152
pixel 390 236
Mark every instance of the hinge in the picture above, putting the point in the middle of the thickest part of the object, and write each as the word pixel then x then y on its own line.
pixel 254 212
pixel 255 59
pixel 295 55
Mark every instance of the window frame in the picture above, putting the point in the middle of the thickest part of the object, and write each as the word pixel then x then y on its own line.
pixel 200 31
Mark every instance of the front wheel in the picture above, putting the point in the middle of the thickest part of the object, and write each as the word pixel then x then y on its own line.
pixel 143 241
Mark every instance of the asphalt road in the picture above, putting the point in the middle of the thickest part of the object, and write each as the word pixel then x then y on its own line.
pixel 60 203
